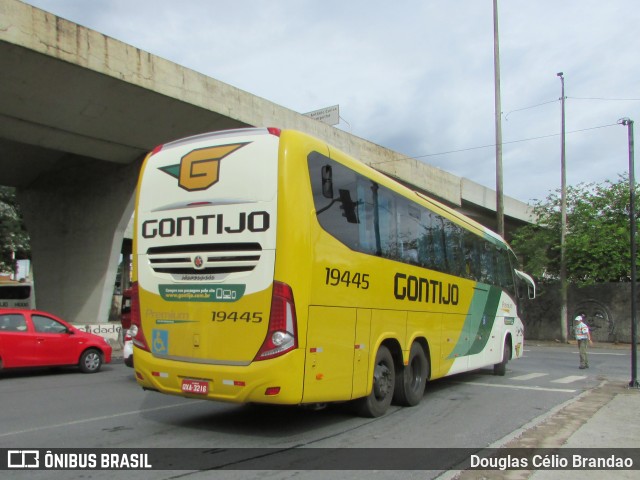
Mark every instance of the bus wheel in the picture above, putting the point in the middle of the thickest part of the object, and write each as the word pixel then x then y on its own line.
pixel 378 401
pixel 410 384
pixel 501 368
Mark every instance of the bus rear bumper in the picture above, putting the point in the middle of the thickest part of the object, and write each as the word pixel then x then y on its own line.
pixel 276 381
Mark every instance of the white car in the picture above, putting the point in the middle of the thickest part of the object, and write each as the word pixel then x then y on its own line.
pixel 127 350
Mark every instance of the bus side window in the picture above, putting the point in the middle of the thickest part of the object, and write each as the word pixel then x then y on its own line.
pixel 408 231
pixel 455 248
pixel 373 219
pixel 487 263
pixel 472 246
pixel 387 224
pixel 505 272
pixel 431 251
pixel 337 214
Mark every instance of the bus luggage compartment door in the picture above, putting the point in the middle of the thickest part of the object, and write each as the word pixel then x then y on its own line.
pixel 330 354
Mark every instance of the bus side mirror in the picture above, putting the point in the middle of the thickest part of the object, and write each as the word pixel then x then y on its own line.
pixel 531 289
pixel 531 285
pixel 327 182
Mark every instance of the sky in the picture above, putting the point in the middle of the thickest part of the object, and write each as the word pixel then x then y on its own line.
pixel 417 76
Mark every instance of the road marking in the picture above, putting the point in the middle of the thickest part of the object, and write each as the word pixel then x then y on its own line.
pixel 569 379
pixel 96 419
pixel 605 353
pixel 519 387
pixel 529 376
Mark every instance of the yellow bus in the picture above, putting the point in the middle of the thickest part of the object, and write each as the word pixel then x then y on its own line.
pixel 269 267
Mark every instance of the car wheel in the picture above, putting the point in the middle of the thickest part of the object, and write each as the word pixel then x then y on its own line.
pixel 90 361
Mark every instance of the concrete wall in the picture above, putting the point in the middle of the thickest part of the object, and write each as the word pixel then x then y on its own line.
pixel 607 308
pixel 76 219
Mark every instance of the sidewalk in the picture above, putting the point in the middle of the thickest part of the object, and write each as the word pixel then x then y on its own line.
pixel 607 416
pixel 574 343
pixel 614 424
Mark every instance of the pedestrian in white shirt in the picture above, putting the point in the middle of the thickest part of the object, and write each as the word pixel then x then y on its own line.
pixel 583 336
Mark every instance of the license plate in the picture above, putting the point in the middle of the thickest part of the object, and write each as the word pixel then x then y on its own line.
pixel 198 387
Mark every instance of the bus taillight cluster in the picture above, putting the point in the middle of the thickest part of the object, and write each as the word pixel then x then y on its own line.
pixel 282 335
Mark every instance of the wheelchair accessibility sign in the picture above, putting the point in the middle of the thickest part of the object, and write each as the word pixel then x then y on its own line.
pixel 160 342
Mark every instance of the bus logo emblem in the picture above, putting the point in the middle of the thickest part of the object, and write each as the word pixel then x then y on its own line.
pixel 200 169
pixel 198 262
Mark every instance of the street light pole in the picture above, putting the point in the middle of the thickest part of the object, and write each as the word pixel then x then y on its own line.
pixel 563 225
pixel 632 223
pixel 498 119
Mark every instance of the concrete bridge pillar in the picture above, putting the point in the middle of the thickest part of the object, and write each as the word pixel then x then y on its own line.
pixel 76 216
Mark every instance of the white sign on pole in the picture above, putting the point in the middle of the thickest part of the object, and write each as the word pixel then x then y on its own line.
pixel 328 115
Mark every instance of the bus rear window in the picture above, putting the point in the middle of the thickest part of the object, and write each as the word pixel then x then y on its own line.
pixel 15 292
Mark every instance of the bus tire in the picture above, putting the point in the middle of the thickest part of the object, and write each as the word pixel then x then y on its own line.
pixel 500 369
pixel 378 401
pixel 413 378
pixel 90 361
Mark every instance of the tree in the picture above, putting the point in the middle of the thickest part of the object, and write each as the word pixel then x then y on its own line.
pixel 14 239
pixel 598 235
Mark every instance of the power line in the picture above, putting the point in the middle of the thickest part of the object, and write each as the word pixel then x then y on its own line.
pixel 607 99
pixel 528 108
pixel 493 144
pixel 572 98
pixel 524 139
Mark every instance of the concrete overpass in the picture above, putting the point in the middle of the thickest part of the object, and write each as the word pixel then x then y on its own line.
pixel 78 111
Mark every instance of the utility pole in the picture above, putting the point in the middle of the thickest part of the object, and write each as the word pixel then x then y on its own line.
pixel 498 118
pixel 632 223
pixel 563 224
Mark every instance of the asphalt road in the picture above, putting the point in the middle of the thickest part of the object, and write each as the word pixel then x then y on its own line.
pixel 63 408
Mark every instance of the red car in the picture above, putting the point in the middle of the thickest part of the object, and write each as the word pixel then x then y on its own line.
pixel 32 338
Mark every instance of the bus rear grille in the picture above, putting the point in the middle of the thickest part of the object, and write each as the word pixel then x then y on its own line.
pixel 210 258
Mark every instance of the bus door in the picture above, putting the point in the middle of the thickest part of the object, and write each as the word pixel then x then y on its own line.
pixel 483 326
pixel 455 343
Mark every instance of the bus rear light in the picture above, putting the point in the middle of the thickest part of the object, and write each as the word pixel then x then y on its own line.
pixel 274 131
pixel 272 391
pixel 156 150
pixel 135 331
pixel 282 332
